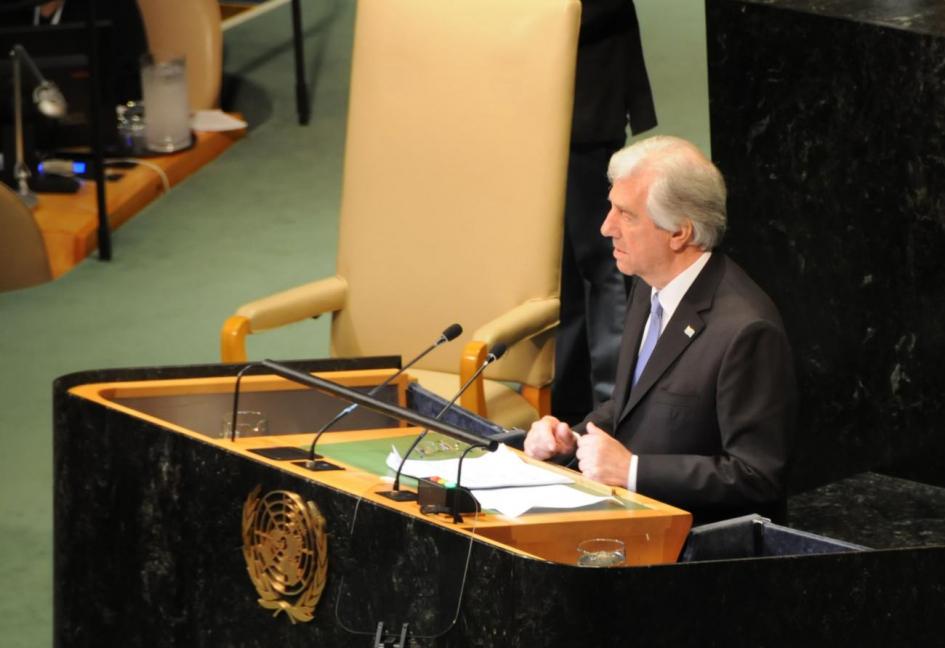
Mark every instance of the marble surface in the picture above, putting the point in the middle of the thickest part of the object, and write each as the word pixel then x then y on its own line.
pixel 875 510
pixel 831 135
pixel 926 16
pixel 148 553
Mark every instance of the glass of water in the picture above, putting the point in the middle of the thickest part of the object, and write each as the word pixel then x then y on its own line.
pixel 601 552
pixel 167 109
pixel 248 423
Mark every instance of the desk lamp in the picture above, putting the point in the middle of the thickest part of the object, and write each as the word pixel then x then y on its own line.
pixel 48 100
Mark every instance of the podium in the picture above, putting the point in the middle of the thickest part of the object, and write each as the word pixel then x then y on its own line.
pixel 167 533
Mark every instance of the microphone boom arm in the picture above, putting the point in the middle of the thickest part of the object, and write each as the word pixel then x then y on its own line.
pixel 18 52
pixel 489 360
pixel 497 351
pixel 451 333
pixel 375 404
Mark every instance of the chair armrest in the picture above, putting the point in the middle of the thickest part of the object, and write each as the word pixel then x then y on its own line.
pixel 287 307
pixel 521 323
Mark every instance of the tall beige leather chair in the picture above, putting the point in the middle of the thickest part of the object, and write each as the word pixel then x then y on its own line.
pixel 23 258
pixel 191 28
pixel 452 199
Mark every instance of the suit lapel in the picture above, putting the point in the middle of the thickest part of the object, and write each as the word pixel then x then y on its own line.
pixel 685 326
pixel 637 313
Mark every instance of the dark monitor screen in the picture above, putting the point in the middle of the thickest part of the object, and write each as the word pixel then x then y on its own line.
pixel 61 54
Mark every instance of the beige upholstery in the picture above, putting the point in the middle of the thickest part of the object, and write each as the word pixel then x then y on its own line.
pixel 23 260
pixel 453 192
pixel 191 28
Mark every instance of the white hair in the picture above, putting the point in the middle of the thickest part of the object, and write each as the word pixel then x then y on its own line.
pixel 685 186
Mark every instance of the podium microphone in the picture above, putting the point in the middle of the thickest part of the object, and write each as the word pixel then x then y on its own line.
pixel 451 332
pixel 496 352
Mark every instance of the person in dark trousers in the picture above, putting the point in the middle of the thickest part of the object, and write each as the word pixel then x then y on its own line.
pixel 611 90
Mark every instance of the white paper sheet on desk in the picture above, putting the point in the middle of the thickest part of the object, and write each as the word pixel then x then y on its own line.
pixel 492 470
pixel 215 120
pixel 513 502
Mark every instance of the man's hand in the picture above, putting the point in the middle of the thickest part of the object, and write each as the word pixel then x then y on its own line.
pixel 601 457
pixel 548 437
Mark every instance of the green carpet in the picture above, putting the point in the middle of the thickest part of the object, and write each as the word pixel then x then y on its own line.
pixel 261 218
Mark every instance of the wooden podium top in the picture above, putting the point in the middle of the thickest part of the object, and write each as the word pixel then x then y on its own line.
pixel 69 222
pixel 652 532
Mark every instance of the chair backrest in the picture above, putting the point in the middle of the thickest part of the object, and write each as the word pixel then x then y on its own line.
pixel 191 28
pixel 454 173
pixel 23 259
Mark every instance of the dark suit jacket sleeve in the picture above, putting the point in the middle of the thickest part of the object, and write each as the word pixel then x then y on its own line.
pixel 755 395
pixel 602 416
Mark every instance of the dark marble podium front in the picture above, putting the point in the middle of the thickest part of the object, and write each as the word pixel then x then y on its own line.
pixel 147 553
pixel 828 122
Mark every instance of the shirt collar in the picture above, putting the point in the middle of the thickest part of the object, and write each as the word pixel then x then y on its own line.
pixel 673 292
pixel 53 19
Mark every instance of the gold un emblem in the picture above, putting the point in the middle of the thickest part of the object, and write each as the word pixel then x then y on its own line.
pixel 286 552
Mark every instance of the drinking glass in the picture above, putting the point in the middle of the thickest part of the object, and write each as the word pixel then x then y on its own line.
pixel 601 552
pixel 167 108
pixel 248 423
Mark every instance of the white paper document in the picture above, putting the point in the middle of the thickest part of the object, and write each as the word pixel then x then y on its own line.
pixel 503 482
pixel 513 502
pixel 491 470
pixel 215 120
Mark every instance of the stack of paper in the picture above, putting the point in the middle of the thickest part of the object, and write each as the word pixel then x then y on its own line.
pixel 503 482
pixel 215 120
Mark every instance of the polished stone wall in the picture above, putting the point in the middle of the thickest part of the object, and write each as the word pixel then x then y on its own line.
pixel 828 121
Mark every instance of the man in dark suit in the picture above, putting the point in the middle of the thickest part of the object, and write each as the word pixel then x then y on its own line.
pixel 702 412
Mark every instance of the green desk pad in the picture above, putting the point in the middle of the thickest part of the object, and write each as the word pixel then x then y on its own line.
pixel 370 455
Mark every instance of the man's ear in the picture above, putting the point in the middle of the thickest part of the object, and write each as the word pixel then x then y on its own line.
pixel 682 237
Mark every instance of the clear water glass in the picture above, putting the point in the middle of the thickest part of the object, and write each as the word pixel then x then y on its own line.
pixel 248 423
pixel 601 552
pixel 167 116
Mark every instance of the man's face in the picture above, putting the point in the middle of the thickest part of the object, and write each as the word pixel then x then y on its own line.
pixel 640 247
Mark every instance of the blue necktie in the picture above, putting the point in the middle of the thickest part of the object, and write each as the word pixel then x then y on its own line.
pixel 652 335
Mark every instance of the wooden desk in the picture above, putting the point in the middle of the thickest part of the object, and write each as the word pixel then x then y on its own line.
pixel 69 222
pixel 653 532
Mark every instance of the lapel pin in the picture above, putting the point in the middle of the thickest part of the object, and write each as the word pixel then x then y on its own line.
pixel 689 331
